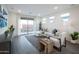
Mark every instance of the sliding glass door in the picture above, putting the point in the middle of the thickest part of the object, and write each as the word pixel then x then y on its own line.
pixel 26 26
pixel 30 25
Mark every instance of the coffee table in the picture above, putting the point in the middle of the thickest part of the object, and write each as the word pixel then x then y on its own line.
pixel 46 45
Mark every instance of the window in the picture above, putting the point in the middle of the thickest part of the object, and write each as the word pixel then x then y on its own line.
pixel 65 17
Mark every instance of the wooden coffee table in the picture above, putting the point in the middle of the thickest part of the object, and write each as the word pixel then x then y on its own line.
pixel 46 45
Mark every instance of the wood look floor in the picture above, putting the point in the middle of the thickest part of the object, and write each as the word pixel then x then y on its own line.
pixel 20 45
pixel 29 45
pixel 69 49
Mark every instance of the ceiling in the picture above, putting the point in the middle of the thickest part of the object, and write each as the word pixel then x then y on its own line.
pixel 37 9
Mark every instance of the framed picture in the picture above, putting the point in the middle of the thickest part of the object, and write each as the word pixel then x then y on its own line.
pixel 3 17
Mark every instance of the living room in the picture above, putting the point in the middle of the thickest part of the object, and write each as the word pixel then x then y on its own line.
pixel 40 29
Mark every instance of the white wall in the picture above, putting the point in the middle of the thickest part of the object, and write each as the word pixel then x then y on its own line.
pixel 36 23
pixel 13 20
pixel 71 26
pixel 58 23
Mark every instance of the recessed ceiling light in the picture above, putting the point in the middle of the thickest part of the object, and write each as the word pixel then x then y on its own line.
pixel 52 17
pixel 51 21
pixel 55 7
pixel 19 11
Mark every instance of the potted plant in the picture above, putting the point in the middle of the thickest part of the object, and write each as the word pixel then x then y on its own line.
pixel 75 36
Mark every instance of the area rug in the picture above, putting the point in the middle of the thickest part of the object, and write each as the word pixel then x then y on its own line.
pixel 34 41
